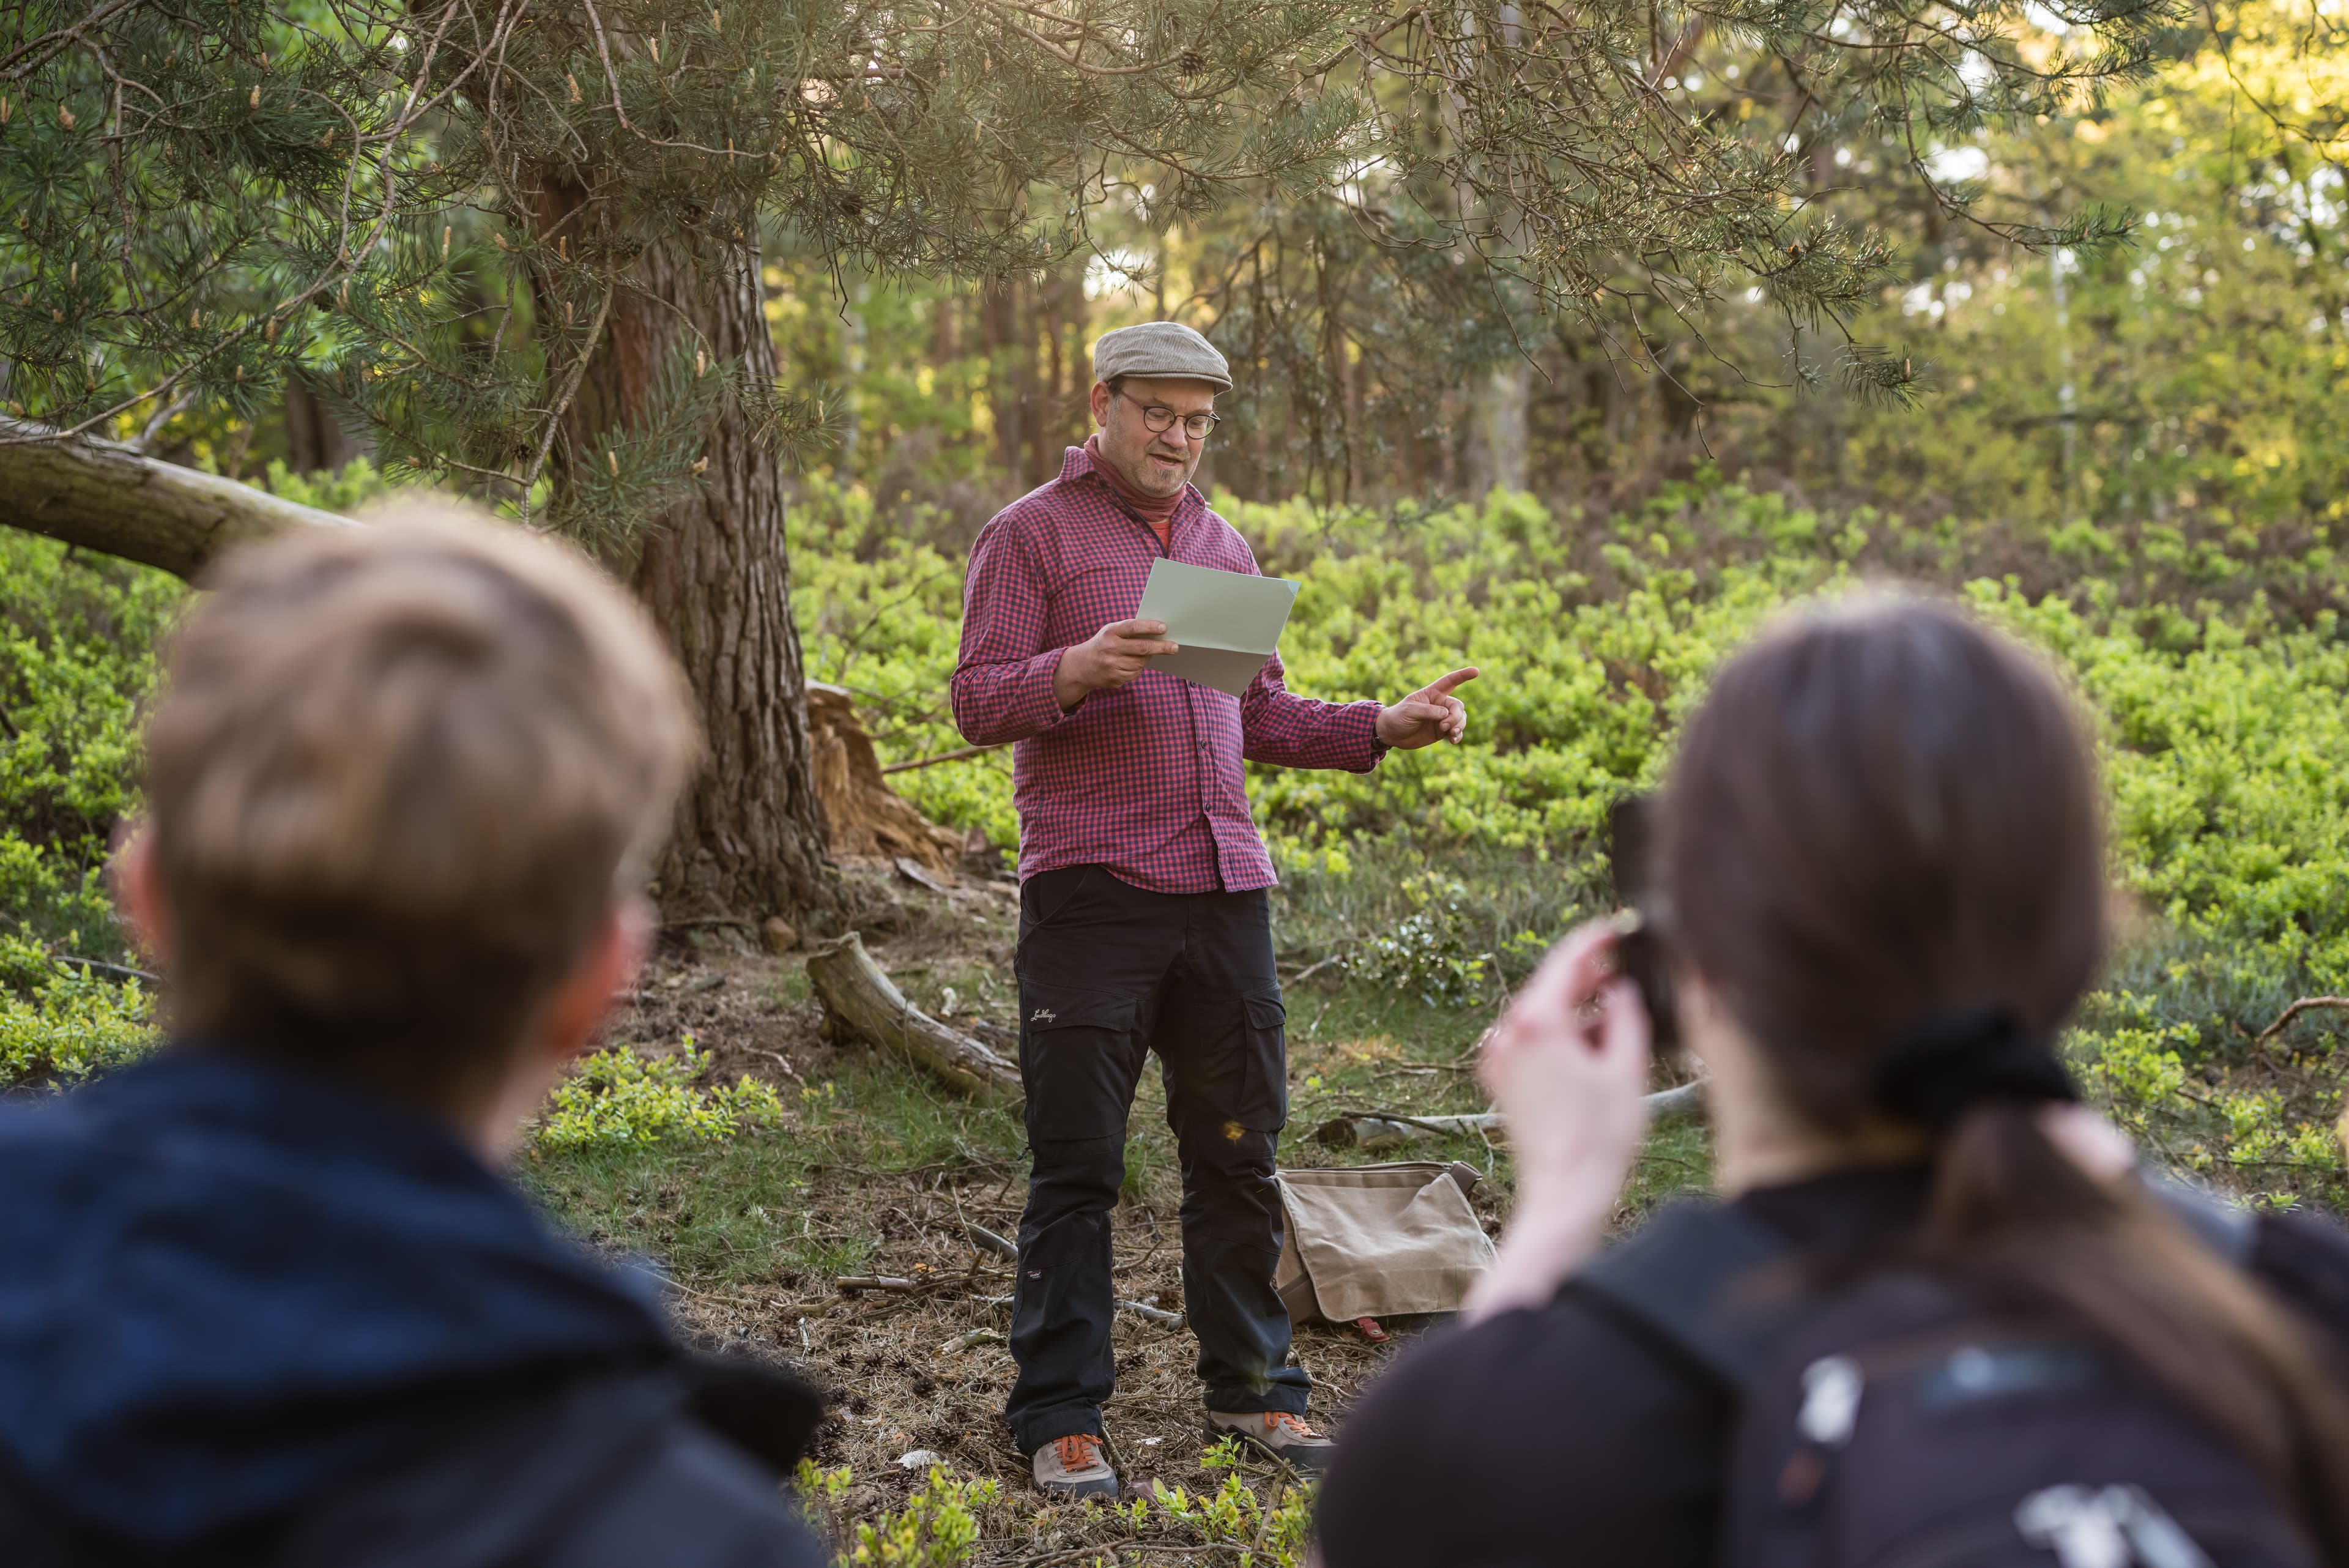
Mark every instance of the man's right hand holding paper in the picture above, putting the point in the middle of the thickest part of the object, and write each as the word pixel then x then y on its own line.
pixel 1108 660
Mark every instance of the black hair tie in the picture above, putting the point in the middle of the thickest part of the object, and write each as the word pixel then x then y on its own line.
pixel 1957 1059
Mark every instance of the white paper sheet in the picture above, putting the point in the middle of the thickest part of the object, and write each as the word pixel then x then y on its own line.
pixel 1227 623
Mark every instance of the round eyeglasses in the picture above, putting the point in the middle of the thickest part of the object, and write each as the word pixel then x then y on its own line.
pixel 1158 418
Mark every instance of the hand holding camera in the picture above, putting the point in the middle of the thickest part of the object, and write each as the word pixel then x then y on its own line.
pixel 1567 1067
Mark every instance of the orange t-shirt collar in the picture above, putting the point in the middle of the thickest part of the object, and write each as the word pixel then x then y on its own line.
pixel 1158 511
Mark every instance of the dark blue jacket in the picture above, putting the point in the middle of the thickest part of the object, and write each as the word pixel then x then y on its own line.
pixel 247 1317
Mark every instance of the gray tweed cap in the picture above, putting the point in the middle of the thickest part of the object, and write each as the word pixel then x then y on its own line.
pixel 1165 349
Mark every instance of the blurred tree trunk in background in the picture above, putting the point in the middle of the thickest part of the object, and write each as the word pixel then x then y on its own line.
pixel 1038 339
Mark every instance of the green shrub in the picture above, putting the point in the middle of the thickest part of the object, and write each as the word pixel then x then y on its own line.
pixel 1233 1517
pixel 345 490
pixel 937 1528
pixel 78 636
pixel 69 1025
pixel 1433 952
pixel 2224 733
pixel 619 1096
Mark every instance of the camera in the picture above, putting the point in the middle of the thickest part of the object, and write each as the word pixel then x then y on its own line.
pixel 1639 952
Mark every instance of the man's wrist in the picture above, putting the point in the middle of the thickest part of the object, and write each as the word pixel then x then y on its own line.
pixel 1069 685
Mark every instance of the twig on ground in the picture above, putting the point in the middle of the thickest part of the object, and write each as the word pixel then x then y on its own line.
pixel 780 1060
pixel 988 1241
pixel 706 1295
pixel 1370 1128
pixel 1158 1316
pixel 964 754
pixel 1301 976
pixel 2305 1004
pixel 121 971
pixel 1073 1553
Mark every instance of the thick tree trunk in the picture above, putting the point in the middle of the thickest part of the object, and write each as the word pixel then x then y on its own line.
pixel 750 837
pixel 104 496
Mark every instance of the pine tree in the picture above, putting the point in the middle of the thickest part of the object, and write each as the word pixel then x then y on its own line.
pixel 522 239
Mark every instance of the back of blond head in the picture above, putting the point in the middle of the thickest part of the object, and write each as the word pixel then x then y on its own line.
pixel 397 777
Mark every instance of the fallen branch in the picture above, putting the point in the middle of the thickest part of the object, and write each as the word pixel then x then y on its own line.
pixel 1301 976
pixel 962 755
pixel 1158 1316
pixel 2305 1004
pixel 849 1284
pixel 1370 1131
pixel 856 992
pixel 104 495
pixel 119 971
pixel 988 1241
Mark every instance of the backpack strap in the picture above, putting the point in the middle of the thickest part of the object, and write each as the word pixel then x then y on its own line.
pixel 2226 1228
pixel 1680 1276
pixel 1725 1291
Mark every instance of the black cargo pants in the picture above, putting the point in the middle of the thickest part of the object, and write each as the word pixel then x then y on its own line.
pixel 1108 974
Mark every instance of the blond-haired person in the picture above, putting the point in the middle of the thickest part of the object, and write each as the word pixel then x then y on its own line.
pixel 264 1299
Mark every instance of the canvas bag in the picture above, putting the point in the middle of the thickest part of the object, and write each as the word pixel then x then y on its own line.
pixel 1376 1240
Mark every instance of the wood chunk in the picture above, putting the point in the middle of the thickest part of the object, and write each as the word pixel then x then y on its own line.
pixel 855 992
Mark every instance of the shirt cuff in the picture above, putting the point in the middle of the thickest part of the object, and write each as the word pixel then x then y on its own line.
pixel 1372 750
pixel 1035 705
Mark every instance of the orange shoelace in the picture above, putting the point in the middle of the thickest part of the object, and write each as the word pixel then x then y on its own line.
pixel 1278 1420
pixel 1078 1451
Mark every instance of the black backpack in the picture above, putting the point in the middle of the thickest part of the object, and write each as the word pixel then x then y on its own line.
pixel 1899 1419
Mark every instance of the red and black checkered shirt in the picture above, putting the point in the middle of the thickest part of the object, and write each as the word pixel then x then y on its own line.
pixel 1146 780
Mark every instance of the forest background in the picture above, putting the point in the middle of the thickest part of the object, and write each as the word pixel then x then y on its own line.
pixel 2133 454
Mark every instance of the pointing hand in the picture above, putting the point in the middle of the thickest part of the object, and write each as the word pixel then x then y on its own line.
pixel 1428 715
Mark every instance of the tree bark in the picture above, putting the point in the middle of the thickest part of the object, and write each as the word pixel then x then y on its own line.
pixel 750 832
pixel 102 495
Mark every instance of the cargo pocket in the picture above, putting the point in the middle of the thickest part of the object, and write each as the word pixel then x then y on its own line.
pixel 1234 1066
pixel 1266 1110
pixel 1077 1061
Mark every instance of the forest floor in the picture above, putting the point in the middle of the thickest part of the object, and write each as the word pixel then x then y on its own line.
pixel 878 1171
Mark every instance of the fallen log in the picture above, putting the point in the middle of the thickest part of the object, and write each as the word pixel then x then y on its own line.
pixel 104 495
pixel 856 992
pixel 1369 1133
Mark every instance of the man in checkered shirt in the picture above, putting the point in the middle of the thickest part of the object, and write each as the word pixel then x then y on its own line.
pixel 1143 920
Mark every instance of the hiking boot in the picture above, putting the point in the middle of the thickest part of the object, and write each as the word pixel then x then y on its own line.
pixel 1072 1466
pixel 1278 1433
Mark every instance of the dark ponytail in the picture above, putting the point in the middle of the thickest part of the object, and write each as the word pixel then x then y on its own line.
pixel 1883 848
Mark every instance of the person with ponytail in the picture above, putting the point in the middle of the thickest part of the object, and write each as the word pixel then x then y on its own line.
pixel 1879 886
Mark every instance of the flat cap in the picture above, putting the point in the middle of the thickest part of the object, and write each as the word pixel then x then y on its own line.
pixel 1165 349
